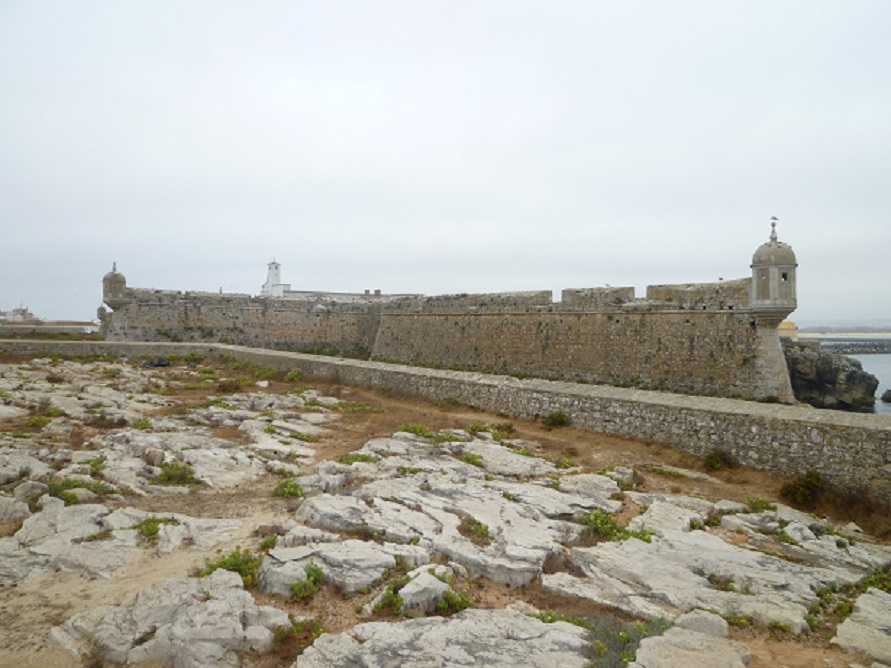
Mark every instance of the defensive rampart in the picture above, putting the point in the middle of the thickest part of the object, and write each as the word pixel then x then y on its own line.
pixel 700 339
pixel 853 451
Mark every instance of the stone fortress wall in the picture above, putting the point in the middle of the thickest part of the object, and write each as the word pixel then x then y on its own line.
pixel 712 339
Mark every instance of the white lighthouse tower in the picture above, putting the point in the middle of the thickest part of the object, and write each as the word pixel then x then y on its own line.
pixel 273 287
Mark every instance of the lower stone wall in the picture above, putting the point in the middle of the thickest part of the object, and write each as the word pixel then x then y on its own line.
pixel 853 451
pixel 715 353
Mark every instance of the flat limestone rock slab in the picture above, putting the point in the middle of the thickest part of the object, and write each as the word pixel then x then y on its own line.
pixel 683 648
pixel 473 638
pixel 868 629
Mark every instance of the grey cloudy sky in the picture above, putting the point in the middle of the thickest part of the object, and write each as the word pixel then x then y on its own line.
pixel 442 147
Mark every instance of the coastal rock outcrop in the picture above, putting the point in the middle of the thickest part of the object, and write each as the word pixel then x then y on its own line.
pixel 828 380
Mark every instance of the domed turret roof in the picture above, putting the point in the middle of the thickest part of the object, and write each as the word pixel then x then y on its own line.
pixel 114 273
pixel 774 252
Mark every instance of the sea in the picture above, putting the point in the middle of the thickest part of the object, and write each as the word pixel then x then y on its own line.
pixel 880 367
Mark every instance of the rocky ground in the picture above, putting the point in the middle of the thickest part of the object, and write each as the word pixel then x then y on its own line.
pixel 215 514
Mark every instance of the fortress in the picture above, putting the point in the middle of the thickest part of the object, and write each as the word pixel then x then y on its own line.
pixel 714 339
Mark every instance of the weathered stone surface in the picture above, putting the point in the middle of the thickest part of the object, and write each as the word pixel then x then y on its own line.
pixel 425 590
pixel 684 648
pixel 868 629
pixel 484 638
pixel 828 380
pixel 886 396
pixel 662 516
pixel 705 622
pixel 674 571
pixel 12 510
pixel 187 622
pixel 351 565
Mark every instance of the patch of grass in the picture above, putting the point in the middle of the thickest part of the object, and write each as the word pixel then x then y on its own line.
pixel 295 376
pixel 417 429
pixel 391 601
pixel 176 473
pixel 758 504
pixel 509 496
pixel 409 470
pixel 476 428
pixel 738 620
pixel 564 463
pixel 717 459
pixel 350 407
pixel 268 543
pixel 453 602
pixel 269 429
pixel 97 465
pixel 193 359
pixel 142 425
pixel 303 590
pixel 472 459
pixel 668 473
pixel 601 526
pixel 239 561
pixel 105 534
pixel 149 529
pixel 806 490
pixel 61 489
pixel 289 642
pixel 613 643
pixel 448 402
pixel 783 537
pixel 38 422
pixel 476 531
pixel 556 419
pixel 353 457
pixel 288 489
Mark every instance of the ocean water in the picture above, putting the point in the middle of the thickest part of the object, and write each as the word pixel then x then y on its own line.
pixel 880 367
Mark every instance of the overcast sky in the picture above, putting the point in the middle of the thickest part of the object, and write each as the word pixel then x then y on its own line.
pixel 443 147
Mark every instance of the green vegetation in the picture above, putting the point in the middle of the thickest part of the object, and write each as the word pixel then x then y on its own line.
pixel 717 459
pixel 556 419
pixel 409 470
pixel 193 359
pixel 149 529
pixel 806 490
pixel 453 602
pixel 476 531
pixel 142 425
pixel 176 473
pixel 472 459
pixel 239 561
pixel 668 473
pixel 289 642
pixel 417 429
pixel 391 601
pixel 601 526
pixel 294 376
pixel 38 422
pixel 721 582
pixel 564 463
pixel 614 642
pixel 268 543
pixel 302 590
pixel 354 457
pixel 61 489
pixel 288 489
pixel 350 407
pixel 758 504
pixel 97 465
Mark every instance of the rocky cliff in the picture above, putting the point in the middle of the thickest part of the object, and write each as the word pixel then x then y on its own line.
pixel 828 380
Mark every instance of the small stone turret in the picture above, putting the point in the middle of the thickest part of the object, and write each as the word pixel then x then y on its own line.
pixel 773 280
pixel 114 288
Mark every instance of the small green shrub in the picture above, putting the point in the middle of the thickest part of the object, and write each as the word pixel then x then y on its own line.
pixel 176 473
pixel 758 504
pixel 142 425
pixel 97 465
pixel 668 473
pixel 295 376
pixel 149 529
pixel 193 359
pixel 721 582
pixel 38 421
pixel 603 526
pixel 289 642
pixel 564 463
pixel 476 531
pixel 717 459
pixel 556 419
pixel 417 429
pixel 806 490
pixel 302 590
pixel 268 543
pixel 288 489
pixel 61 489
pixel 453 602
pixel 476 428
pixel 239 561
pixel 472 459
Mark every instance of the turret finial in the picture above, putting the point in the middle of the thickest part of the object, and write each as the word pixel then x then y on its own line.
pixel 773 228
pixel 114 266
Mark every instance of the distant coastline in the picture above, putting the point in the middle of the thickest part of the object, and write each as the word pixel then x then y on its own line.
pixel 851 343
